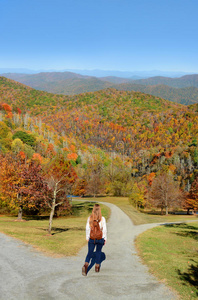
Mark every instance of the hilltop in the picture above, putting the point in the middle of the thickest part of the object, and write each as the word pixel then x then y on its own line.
pixel 186 96
pixel 182 90
pixel 181 82
pixel 66 83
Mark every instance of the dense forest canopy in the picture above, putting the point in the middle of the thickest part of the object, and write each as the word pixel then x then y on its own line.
pixel 117 142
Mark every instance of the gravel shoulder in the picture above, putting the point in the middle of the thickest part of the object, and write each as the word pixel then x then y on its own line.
pixel 27 274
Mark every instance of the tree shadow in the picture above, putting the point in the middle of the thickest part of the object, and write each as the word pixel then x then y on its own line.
pixel 181 225
pixel 56 230
pixel 189 230
pixel 93 260
pixel 80 207
pixel 190 277
pixel 191 234
pixel 36 218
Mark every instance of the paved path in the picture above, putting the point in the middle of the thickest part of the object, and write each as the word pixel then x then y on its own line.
pixel 26 274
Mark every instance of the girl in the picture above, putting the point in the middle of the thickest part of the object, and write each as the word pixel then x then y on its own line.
pixel 94 242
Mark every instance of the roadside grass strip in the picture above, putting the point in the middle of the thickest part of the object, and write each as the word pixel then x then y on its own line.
pixel 171 253
pixel 68 233
pixel 144 217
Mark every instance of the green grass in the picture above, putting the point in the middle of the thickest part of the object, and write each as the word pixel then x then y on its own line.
pixel 68 233
pixel 138 217
pixel 171 252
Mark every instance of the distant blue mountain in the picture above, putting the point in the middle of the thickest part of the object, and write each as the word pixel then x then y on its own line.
pixel 128 74
pixel 102 73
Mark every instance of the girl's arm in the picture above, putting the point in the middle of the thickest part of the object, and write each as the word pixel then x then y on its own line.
pixel 104 228
pixel 87 230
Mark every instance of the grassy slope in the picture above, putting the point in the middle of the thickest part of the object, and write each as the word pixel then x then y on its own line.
pixel 171 254
pixel 68 233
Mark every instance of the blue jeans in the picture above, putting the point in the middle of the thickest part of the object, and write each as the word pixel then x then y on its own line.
pixel 91 246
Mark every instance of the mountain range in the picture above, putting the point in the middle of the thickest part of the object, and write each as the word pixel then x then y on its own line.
pixel 101 73
pixel 182 90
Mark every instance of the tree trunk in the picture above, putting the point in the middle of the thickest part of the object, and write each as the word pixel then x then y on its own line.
pixel 20 212
pixel 52 209
pixel 51 218
pixel 166 204
pixel 166 210
pixel 188 211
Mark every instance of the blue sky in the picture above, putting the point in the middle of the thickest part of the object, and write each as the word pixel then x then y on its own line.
pixel 126 35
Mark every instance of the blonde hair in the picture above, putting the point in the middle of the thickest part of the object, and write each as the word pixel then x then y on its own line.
pixel 96 214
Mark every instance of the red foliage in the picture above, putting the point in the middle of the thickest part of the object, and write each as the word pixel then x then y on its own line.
pixel 19 111
pixel 6 107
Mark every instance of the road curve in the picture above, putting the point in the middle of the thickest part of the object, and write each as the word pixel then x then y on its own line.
pixel 26 274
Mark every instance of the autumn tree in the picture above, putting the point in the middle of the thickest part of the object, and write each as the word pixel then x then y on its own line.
pixel 59 176
pixel 22 184
pixel 120 180
pixel 94 178
pixel 80 187
pixel 165 192
pixel 137 195
pixel 191 197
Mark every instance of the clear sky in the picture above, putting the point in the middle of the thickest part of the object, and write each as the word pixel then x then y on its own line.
pixel 126 35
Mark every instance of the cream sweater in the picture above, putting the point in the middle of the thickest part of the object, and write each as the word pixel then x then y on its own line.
pixel 103 226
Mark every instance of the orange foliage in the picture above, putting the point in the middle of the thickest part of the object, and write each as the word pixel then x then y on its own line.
pixel 72 156
pixel 168 154
pixel 22 155
pixel 73 148
pixel 50 150
pixel 37 157
pixel 150 178
pixel 9 115
pixel 172 168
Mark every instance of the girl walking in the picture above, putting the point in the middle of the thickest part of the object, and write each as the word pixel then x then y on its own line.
pixel 96 235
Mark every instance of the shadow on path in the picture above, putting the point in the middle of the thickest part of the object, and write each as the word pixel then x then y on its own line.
pixel 93 260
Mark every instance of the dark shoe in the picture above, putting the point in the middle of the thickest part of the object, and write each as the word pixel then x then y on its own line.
pixel 84 269
pixel 97 268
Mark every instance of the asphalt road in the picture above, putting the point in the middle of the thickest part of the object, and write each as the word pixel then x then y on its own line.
pixel 26 274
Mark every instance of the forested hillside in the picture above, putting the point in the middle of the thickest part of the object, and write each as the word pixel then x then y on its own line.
pixel 66 83
pixel 114 139
pixel 181 82
pixel 186 96
pixel 182 90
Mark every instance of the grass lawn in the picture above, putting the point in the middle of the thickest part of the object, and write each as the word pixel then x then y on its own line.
pixel 68 233
pixel 143 218
pixel 171 252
